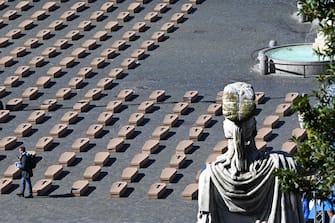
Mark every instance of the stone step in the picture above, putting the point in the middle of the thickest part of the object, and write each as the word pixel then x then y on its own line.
pixel 123 16
pixel 214 109
pixel 14 104
pixel 12 172
pixel 221 147
pixel 67 62
pixel 283 109
pixel 299 133
pixel 126 131
pixel 59 130
pixel 190 192
pixel 177 160
pixel 168 27
pixel 93 94
pixel 82 105
pixel 101 158
pixel 109 53
pixel 67 159
pixel 186 8
pixel 168 174
pixel 290 147
pixel 112 26
pixel 49 105
pixel 92 173
pixel 195 133
pixel 157 96
pixel 129 174
pixel 68 15
pixel 4 116
pixel 271 121
pixel 55 71
pixel 125 95
pixel 101 35
pixel 97 16
pixel 53 172
pixel 64 94
pixel 140 160
pixel 81 145
pixel 105 83
pixel 170 120
pixel 70 117
pixel 136 119
pixel 76 82
pixel 146 107
pixel 134 7
pixel 148 45
pixel 150 146
pixel 23 129
pixel 184 146
pixel 45 143
pixel 79 188
pixel 107 7
pixel 116 144
pixel 161 7
pixel 139 27
pixel 203 121
pixel 49 52
pixel 129 36
pixel 181 108
pixel 264 134
pixel 85 25
pixel 5 185
pixel 79 52
pixel 89 44
pixel 42 187
pixel 118 189
pixel 8 143
pixel 160 132
pixel 30 93
pixel 95 131
pixel 291 97
pixel 157 190
pixel 177 17
pixel 78 6
pixel 22 71
pixel 105 118
pixel 98 62
pixel 11 81
pixel 259 97
pixel 151 17
pixel 116 73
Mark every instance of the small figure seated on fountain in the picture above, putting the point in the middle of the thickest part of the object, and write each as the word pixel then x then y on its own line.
pixel 240 186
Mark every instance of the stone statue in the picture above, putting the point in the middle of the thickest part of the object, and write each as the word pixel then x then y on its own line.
pixel 240 186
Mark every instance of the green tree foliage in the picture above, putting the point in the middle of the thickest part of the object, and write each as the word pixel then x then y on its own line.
pixel 315 156
pixel 324 12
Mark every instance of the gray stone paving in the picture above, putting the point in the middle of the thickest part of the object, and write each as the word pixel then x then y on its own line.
pixel 216 45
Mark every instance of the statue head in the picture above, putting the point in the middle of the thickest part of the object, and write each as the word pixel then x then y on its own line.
pixel 238 108
pixel 238 102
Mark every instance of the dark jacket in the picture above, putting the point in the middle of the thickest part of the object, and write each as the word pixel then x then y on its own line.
pixel 25 170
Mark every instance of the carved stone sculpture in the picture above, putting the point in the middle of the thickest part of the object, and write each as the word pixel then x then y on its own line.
pixel 240 186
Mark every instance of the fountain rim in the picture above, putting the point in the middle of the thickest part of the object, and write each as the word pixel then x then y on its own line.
pixel 287 62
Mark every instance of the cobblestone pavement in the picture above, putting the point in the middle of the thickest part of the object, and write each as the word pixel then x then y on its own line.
pixel 215 44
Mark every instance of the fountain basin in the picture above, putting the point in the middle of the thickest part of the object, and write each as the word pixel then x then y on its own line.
pixel 295 59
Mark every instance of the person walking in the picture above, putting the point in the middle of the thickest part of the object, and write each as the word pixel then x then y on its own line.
pixel 26 172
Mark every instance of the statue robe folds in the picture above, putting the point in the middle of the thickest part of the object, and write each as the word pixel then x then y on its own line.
pixel 254 193
pixel 241 182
